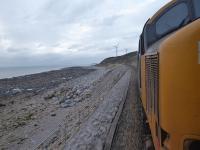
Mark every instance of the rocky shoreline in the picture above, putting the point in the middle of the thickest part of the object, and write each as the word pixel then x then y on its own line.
pixel 26 99
pixel 36 83
pixel 45 110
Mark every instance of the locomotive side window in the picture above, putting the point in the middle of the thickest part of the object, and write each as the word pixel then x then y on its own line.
pixel 172 19
pixel 197 8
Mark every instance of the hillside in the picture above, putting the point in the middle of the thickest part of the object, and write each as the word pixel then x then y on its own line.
pixel 129 58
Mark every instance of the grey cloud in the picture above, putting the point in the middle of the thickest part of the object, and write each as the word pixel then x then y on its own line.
pixel 75 46
pixel 67 11
pixel 108 21
pixel 69 32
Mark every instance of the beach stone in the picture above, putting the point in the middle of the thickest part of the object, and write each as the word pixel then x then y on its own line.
pixel 58 92
pixel 53 114
pixel 55 98
pixel 2 105
pixel 64 105
pixel 34 117
pixel 68 103
pixel 35 124
pixel 77 100
pixel 56 102
pixel 74 89
pixel 49 96
pixel 78 92
pixel 68 97
pixel 74 96
pixel 69 78
pixel 7 92
pixel 29 90
pixel 53 81
pixel 61 100
pixel 17 90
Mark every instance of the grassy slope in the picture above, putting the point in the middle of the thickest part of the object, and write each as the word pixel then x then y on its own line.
pixel 124 59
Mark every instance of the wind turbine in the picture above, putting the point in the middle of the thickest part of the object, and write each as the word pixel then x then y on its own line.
pixel 116 48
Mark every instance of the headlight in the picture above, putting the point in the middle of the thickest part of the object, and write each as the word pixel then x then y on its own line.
pixel 192 145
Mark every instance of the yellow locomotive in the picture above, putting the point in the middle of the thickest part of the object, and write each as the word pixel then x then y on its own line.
pixel 169 75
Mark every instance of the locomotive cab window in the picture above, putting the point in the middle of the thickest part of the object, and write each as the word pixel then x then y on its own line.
pixel 196 4
pixel 176 17
pixel 141 45
pixel 173 18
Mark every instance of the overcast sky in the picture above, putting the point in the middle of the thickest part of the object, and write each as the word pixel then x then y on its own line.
pixel 70 32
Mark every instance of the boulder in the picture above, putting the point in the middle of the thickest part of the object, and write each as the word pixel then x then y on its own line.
pixel 68 103
pixel 53 114
pixel 16 90
pixel 2 105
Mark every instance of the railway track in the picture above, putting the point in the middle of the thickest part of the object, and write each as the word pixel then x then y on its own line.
pixel 129 130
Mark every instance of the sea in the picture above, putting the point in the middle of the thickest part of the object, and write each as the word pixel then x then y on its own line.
pixel 9 72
